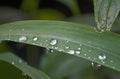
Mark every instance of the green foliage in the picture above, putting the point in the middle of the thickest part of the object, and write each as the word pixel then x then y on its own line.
pixel 59 49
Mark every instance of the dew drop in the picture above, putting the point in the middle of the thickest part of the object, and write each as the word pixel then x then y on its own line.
pixel 102 57
pixel 77 52
pixel 89 50
pixel 22 39
pixel 35 38
pixel 24 74
pixel 80 44
pixel 67 47
pixel 13 63
pixel 67 41
pixel 51 50
pixel 111 61
pixel 85 54
pixel 89 57
pixel 53 42
pixel 95 65
pixel 79 48
pixel 20 61
pixel 71 52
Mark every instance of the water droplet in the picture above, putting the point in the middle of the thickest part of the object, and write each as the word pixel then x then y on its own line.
pixel 80 44
pixel 77 52
pixel 102 57
pixel 85 54
pixel 10 30
pixel 89 50
pixel 95 65
pixel 67 47
pixel 22 39
pixel 71 52
pixel 89 57
pixel 13 63
pixel 53 42
pixel 20 61
pixel 67 41
pixel 79 48
pixel 24 74
pixel 35 38
pixel 51 50
pixel 111 61
pixel 56 47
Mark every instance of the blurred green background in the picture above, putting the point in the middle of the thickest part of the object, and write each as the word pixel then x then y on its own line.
pixel 56 65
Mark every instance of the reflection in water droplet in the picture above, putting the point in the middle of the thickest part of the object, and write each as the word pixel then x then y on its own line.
pixel 35 38
pixel 102 57
pixel 53 42
pixel 71 52
pixel 95 65
pixel 22 38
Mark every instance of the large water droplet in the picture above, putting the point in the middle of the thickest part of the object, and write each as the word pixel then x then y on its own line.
pixel 102 57
pixel 22 38
pixel 35 38
pixel 53 42
pixel 95 65
pixel 71 52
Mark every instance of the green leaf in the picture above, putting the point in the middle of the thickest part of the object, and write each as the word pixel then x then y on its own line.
pixel 67 37
pixel 72 4
pixel 65 64
pixel 17 62
pixel 106 12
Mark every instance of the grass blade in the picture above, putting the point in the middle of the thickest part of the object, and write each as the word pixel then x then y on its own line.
pixel 30 71
pixel 71 38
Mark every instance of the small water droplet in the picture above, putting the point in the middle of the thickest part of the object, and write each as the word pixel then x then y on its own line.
pixel 53 42
pixel 67 41
pixel 22 38
pixel 89 50
pixel 79 48
pixel 80 44
pixel 20 61
pixel 56 47
pixel 13 63
pixel 89 57
pixel 67 47
pixel 95 65
pixel 35 38
pixel 51 50
pixel 111 61
pixel 102 57
pixel 77 52
pixel 85 54
pixel 71 52
pixel 24 74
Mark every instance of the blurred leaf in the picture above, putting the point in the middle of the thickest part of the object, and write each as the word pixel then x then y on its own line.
pixel 73 5
pixel 106 12
pixel 88 19
pixel 80 40
pixel 49 14
pixel 17 62
pixel 59 65
pixel 8 71
pixel 30 5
